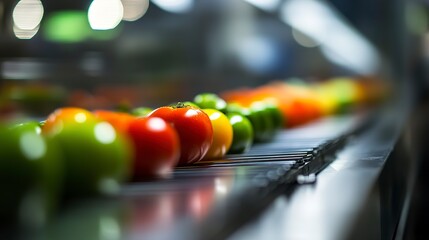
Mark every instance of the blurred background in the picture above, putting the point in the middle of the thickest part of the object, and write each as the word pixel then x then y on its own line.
pixel 97 54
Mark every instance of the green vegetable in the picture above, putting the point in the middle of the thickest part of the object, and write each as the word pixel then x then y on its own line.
pixel 30 175
pixel 210 100
pixel 242 133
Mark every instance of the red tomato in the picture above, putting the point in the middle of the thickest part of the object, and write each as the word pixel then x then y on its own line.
pixel 156 147
pixel 118 120
pixel 194 129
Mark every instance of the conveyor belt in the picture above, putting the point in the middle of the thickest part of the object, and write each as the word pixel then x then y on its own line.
pixel 210 199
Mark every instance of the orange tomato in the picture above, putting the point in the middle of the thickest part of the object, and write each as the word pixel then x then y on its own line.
pixel 119 120
pixel 67 115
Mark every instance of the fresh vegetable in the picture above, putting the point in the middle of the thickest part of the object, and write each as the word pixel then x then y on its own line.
pixel 242 133
pixel 259 116
pixel 96 158
pixel 210 101
pixel 30 175
pixel 141 111
pixel 194 128
pixel 189 103
pixel 276 116
pixel 68 115
pixel 119 120
pixel 156 145
pixel 222 134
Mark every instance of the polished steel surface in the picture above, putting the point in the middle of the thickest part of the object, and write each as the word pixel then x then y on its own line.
pixel 347 200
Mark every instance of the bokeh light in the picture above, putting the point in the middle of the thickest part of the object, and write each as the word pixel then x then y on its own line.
pixel 134 9
pixel 27 16
pixel 24 34
pixel 175 6
pixel 67 26
pixel 105 14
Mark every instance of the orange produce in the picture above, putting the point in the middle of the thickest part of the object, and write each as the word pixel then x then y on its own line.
pixel 119 120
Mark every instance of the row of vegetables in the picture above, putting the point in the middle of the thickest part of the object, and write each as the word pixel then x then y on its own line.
pixel 76 152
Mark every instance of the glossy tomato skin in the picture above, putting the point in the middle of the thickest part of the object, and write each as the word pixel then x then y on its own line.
pixel 263 122
pixel 30 174
pixel 96 158
pixel 119 120
pixel 210 101
pixel 66 115
pixel 222 134
pixel 156 147
pixel 242 133
pixel 193 127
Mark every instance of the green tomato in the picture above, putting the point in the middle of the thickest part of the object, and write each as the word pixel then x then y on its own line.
pixel 141 111
pixel 30 175
pixel 210 100
pixel 190 103
pixel 242 133
pixel 262 123
pixel 97 159
pixel 277 117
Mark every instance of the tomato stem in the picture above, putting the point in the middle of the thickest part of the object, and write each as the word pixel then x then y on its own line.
pixel 179 105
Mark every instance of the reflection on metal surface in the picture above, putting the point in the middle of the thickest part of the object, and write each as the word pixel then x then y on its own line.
pixel 105 14
pixel 221 187
pixel 267 5
pixel 154 215
pixel 339 164
pixel 103 220
pixel 175 6
pixel 339 42
pixel 306 179
pixel 200 201
pixel 134 9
